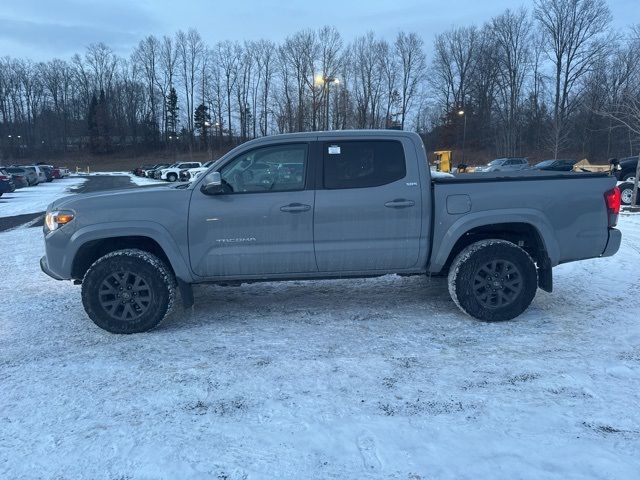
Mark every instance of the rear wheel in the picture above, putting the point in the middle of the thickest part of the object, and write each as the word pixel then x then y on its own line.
pixel 493 280
pixel 128 291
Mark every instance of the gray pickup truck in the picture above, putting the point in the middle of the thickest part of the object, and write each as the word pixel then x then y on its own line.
pixel 327 205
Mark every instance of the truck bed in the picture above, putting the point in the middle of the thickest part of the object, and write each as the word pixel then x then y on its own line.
pixel 567 209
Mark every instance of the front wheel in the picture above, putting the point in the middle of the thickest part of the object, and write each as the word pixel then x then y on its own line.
pixel 172 177
pixel 128 291
pixel 493 280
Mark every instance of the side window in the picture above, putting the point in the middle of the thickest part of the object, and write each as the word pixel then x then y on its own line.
pixel 360 164
pixel 280 168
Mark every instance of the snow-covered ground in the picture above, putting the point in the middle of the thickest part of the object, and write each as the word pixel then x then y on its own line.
pixel 35 199
pixel 378 378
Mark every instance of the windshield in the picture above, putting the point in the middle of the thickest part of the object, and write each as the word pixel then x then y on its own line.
pixel 497 161
pixel 546 163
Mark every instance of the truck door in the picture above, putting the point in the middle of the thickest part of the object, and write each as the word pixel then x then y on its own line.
pixel 368 209
pixel 262 223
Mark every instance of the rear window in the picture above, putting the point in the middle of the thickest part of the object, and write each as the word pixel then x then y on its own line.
pixel 361 164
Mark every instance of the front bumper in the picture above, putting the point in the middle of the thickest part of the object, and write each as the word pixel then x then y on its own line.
pixel 44 265
pixel 613 244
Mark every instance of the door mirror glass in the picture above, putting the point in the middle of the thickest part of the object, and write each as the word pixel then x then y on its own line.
pixel 212 184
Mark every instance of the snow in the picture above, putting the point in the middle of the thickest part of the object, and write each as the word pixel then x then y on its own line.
pixel 35 199
pixel 377 378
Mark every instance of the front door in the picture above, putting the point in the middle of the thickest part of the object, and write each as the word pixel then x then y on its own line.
pixel 262 223
pixel 368 210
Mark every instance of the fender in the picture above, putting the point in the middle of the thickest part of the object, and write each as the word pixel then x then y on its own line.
pixel 530 216
pixel 142 228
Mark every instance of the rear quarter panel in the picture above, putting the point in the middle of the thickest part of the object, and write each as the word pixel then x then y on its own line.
pixel 569 213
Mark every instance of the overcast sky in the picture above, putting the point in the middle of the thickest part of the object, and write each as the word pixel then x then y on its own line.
pixel 44 29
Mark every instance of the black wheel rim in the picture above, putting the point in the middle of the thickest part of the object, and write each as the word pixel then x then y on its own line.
pixel 125 296
pixel 497 284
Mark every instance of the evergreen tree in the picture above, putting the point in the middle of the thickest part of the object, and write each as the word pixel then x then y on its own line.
pixel 172 113
pixel 91 124
pixel 102 125
pixel 202 122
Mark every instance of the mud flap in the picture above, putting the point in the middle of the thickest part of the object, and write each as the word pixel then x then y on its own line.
pixel 545 278
pixel 186 293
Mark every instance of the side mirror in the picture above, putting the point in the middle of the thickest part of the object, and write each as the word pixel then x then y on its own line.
pixel 212 184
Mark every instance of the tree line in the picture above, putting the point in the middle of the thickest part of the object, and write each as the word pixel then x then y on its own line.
pixel 550 81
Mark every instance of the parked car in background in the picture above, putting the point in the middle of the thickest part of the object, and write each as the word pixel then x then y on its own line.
pixel 56 173
pixel 30 176
pixel 140 171
pixel 19 179
pixel 151 173
pixel 48 172
pixel 193 173
pixel 627 172
pixel 42 177
pixel 64 172
pixel 510 164
pixel 6 183
pixel 172 172
pixel 560 165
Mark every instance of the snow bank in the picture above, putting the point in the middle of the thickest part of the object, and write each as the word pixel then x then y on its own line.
pixel 378 378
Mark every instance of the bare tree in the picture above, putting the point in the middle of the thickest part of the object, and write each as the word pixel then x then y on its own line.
pixel 576 38
pixel 412 64
pixel 511 31
pixel 190 53
pixel 454 64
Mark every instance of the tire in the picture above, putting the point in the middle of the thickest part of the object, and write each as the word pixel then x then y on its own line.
pixel 172 177
pixel 626 193
pixel 476 296
pixel 128 291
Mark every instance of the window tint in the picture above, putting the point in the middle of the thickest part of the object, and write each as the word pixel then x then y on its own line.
pixel 363 163
pixel 279 168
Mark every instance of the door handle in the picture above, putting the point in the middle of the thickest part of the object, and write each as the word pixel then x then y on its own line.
pixel 400 203
pixel 295 207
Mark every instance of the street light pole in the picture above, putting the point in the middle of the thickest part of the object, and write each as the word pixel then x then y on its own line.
pixel 464 132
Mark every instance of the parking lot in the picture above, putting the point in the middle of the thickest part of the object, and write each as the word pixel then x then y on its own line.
pixel 379 378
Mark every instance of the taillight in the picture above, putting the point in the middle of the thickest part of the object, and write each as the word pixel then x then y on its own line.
pixel 4 177
pixel 612 200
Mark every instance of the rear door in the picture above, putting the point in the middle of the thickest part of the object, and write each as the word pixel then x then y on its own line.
pixel 368 206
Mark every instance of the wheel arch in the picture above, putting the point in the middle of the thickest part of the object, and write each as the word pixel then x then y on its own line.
pixel 94 242
pixel 529 230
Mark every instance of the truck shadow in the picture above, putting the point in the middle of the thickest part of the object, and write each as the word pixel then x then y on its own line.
pixel 315 301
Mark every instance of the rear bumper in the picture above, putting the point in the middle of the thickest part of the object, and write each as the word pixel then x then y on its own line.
pixel 45 268
pixel 613 244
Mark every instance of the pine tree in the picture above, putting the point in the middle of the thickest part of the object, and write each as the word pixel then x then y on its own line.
pixel 202 122
pixel 102 125
pixel 92 125
pixel 172 113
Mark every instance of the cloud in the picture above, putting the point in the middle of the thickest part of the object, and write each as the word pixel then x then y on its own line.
pixel 39 30
pixel 51 38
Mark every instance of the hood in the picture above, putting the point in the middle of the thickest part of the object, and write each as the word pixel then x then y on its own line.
pixel 132 195
pixel 629 161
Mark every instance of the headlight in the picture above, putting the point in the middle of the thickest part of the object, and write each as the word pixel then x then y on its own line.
pixel 57 218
